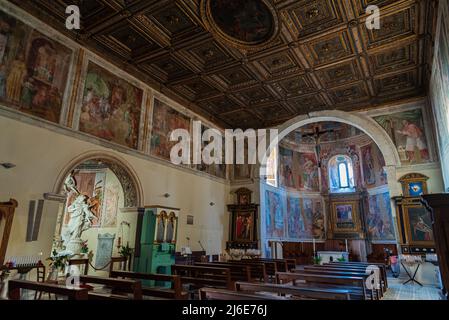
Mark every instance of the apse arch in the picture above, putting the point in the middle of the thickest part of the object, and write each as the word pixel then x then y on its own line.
pixel 361 122
pixel 128 178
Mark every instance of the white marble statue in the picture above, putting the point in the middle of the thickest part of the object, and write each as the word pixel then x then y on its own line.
pixel 70 184
pixel 80 220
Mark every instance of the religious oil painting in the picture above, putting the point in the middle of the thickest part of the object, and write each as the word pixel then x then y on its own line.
pixel 345 215
pixel 296 226
pixel 34 70
pixel 274 214
pixel 309 176
pixel 318 220
pixel 92 185
pixel 249 21
pixel 111 107
pixel 165 120
pixel 407 131
pixel 215 169
pixel 244 226
pixel 415 189
pixel 419 225
pixel 379 218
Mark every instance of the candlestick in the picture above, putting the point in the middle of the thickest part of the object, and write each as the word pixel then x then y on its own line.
pixel 314 249
pixel 346 242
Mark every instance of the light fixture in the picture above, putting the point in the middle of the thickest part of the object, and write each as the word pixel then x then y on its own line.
pixel 7 165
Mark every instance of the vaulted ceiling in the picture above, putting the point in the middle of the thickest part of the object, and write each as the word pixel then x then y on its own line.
pixel 259 64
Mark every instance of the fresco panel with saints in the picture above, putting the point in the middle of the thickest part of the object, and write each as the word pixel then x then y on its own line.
pixel 33 70
pixel 111 107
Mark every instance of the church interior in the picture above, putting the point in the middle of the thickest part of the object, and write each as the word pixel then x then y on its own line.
pixel 346 196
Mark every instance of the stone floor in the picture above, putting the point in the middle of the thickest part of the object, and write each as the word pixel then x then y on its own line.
pixel 410 291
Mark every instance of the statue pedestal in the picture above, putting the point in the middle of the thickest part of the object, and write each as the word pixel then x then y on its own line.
pixel 75 246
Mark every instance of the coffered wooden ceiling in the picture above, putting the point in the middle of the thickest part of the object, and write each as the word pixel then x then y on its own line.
pixel 321 55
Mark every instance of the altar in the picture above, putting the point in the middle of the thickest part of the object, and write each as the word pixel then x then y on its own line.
pixel 330 256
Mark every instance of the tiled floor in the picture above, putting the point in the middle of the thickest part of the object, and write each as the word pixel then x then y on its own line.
pixel 398 291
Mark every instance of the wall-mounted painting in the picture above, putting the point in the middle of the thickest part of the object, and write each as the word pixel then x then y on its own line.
pixel 407 131
pixel 373 164
pixel 111 107
pixel 379 218
pixel 34 70
pixel 244 226
pixel 296 225
pixel 318 222
pixel 418 226
pixel 215 169
pixel 309 177
pixel 274 215
pixel 165 120
pixel 345 217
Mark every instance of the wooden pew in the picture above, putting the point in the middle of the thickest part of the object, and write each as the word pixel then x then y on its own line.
pixel 115 260
pixel 271 267
pixel 296 292
pixel 198 276
pixel 238 272
pixel 258 270
pixel 117 285
pixel 326 271
pixel 223 294
pixel 175 292
pixel 283 265
pixel 381 266
pixel 14 287
pixel 359 268
pixel 355 285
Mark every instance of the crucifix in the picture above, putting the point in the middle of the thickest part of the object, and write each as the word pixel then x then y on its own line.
pixel 316 135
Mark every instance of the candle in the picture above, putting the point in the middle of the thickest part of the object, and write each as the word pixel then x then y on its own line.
pixel 346 242
pixel 313 245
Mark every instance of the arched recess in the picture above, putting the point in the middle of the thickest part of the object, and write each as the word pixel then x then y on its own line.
pixel 128 178
pixel 361 122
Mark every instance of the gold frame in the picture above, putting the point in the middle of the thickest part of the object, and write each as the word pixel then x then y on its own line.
pixel 408 230
pixel 355 217
pixel 212 27
pixel 243 213
pixel 413 178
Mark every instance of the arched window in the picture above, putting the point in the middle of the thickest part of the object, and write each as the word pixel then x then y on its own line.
pixel 341 174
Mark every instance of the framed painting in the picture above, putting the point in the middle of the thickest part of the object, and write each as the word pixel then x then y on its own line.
pixel 418 226
pixel 244 226
pixel 414 184
pixel 34 70
pixel 345 217
pixel 111 107
pixel 165 120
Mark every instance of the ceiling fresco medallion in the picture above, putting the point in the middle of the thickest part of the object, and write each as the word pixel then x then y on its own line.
pixel 249 24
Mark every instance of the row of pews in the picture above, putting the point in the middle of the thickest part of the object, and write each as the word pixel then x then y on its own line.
pixel 332 281
pixel 255 279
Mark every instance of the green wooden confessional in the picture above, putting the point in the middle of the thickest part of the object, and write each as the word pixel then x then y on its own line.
pixel 156 241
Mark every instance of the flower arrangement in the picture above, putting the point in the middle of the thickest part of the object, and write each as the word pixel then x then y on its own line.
pixel 125 251
pixel 341 259
pixel 317 260
pixel 84 247
pixel 58 260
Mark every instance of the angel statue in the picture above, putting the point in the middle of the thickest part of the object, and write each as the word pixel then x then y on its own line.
pixel 70 183
pixel 81 218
